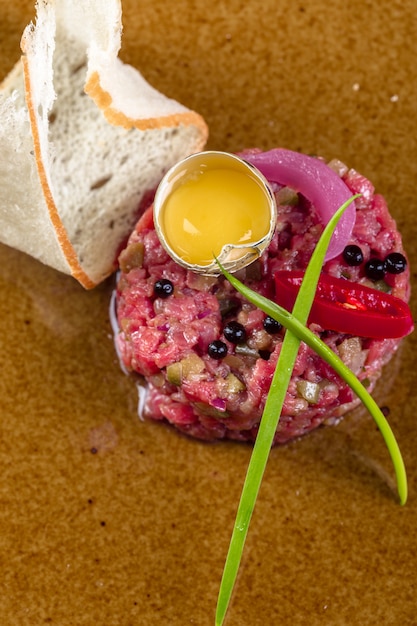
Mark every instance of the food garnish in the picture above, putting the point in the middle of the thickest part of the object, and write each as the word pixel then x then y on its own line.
pixel 395 263
pixel 163 288
pixel 297 331
pixel 347 307
pixel 315 180
pixel 375 269
pixel 353 255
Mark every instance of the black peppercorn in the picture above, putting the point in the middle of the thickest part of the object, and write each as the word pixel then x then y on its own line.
pixel 395 263
pixel 353 255
pixel 234 332
pixel 271 326
pixel 375 269
pixel 163 288
pixel 217 349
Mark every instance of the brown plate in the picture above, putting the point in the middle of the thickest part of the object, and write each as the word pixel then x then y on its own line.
pixel 108 520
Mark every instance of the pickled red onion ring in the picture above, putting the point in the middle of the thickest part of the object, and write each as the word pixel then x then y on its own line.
pixel 316 181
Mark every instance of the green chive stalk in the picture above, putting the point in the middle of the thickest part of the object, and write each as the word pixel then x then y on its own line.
pixel 297 331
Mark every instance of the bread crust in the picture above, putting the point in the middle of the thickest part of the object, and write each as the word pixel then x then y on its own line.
pixel 104 101
pixel 67 248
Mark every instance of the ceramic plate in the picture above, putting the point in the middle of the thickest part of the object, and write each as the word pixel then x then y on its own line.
pixel 105 519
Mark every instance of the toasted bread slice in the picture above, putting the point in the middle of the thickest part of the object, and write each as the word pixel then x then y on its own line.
pixel 83 138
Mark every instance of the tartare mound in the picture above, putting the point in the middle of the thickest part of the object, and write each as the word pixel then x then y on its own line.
pixel 207 356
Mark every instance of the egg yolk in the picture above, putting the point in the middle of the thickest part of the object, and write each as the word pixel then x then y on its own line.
pixel 213 208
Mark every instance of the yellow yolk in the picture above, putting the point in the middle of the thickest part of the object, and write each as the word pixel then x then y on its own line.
pixel 213 208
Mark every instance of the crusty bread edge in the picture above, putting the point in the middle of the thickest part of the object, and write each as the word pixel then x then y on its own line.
pixel 67 248
pixel 103 100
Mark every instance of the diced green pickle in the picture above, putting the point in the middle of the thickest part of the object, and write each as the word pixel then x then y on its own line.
pixel 309 391
pixel 245 350
pixel 187 367
pixel 227 306
pixel 381 285
pixel 131 257
pixel 287 196
pixel 234 384
pixel 206 409
pixel 174 373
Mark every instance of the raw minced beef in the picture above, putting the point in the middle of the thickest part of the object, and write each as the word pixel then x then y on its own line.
pixel 166 340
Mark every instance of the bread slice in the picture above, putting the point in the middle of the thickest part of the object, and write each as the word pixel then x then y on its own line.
pixel 83 138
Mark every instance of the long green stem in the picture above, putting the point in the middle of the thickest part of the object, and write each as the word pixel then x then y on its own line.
pixel 255 472
pixel 270 418
pixel 294 323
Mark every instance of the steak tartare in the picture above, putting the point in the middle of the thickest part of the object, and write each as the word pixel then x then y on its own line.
pixel 207 356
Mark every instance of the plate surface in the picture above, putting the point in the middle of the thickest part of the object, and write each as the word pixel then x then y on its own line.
pixel 105 519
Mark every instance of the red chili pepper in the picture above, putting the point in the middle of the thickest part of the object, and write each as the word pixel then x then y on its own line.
pixel 348 307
